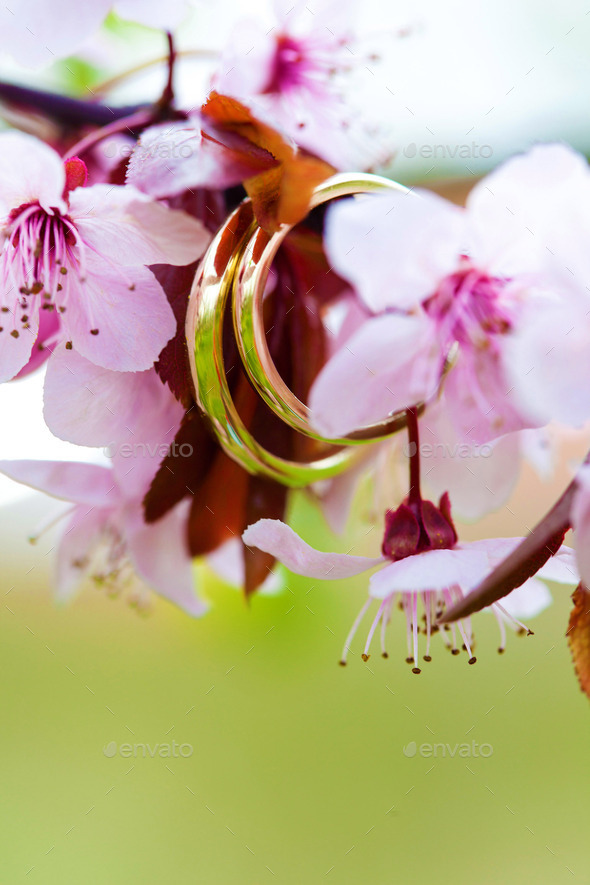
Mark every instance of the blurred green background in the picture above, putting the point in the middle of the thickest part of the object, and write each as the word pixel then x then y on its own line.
pixel 297 772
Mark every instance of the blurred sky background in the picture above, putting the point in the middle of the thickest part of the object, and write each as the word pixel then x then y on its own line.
pixel 297 772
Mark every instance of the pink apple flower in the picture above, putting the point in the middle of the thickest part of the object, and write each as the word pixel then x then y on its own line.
pixel 428 573
pixel 105 537
pixel 294 70
pixel 37 32
pixel 136 418
pixel 439 281
pixel 81 252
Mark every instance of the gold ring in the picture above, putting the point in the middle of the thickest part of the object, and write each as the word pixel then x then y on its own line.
pixel 237 264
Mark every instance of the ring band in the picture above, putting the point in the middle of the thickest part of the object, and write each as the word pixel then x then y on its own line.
pixel 236 265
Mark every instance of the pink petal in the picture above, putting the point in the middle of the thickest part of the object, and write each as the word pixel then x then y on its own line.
pixel 548 358
pixel 15 352
pixel 160 556
pixel 513 211
pixel 44 343
pixel 91 406
pixel 82 533
pixel 154 13
pixel 391 363
pixel 172 158
pixel 528 600
pixel 396 247
pixel 480 476
pixel 561 568
pixel 30 172
pixel 227 561
pixel 481 398
pixel 36 32
pixel 130 311
pixel 274 537
pixel 67 480
pixel 431 570
pixel 129 228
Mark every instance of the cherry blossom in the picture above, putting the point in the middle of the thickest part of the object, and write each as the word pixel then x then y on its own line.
pixel 442 283
pixel 81 252
pixel 294 70
pixel 105 537
pixel 431 579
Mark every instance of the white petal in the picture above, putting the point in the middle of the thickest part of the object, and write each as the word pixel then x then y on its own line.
pixel 431 570
pixel 480 476
pixel 129 228
pixel 394 248
pixel 30 172
pixel 390 364
pixel 527 601
pixel 81 534
pixel 67 480
pixel 160 555
pixel 274 537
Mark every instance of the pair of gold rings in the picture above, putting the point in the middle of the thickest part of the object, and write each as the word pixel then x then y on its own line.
pixel 236 266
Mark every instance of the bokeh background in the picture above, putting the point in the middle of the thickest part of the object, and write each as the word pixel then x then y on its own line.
pixel 294 768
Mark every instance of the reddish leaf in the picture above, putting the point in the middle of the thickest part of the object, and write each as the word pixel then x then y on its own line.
pixel 579 636
pixel 280 195
pixel 524 562
pixel 173 364
pixel 183 469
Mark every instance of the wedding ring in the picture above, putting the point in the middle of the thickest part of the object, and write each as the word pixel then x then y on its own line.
pixel 233 272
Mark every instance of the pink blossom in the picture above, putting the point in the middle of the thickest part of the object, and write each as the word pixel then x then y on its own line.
pixel 82 253
pixel 443 281
pixel 434 578
pixel 36 32
pixel 294 71
pixel 105 537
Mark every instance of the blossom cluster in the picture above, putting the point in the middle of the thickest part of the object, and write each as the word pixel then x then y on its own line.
pixel 472 321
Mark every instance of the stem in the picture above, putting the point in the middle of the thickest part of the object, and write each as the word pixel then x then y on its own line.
pixel 168 95
pixel 134 121
pixel 72 112
pixel 414 495
pixel 109 84
pixel 524 562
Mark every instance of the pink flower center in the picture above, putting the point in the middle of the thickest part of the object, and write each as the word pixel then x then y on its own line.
pixel 302 63
pixel 471 307
pixel 41 252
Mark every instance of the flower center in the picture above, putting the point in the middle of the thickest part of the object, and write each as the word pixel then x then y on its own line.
pixel 471 306
pixel 41 250
pixel 298 63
